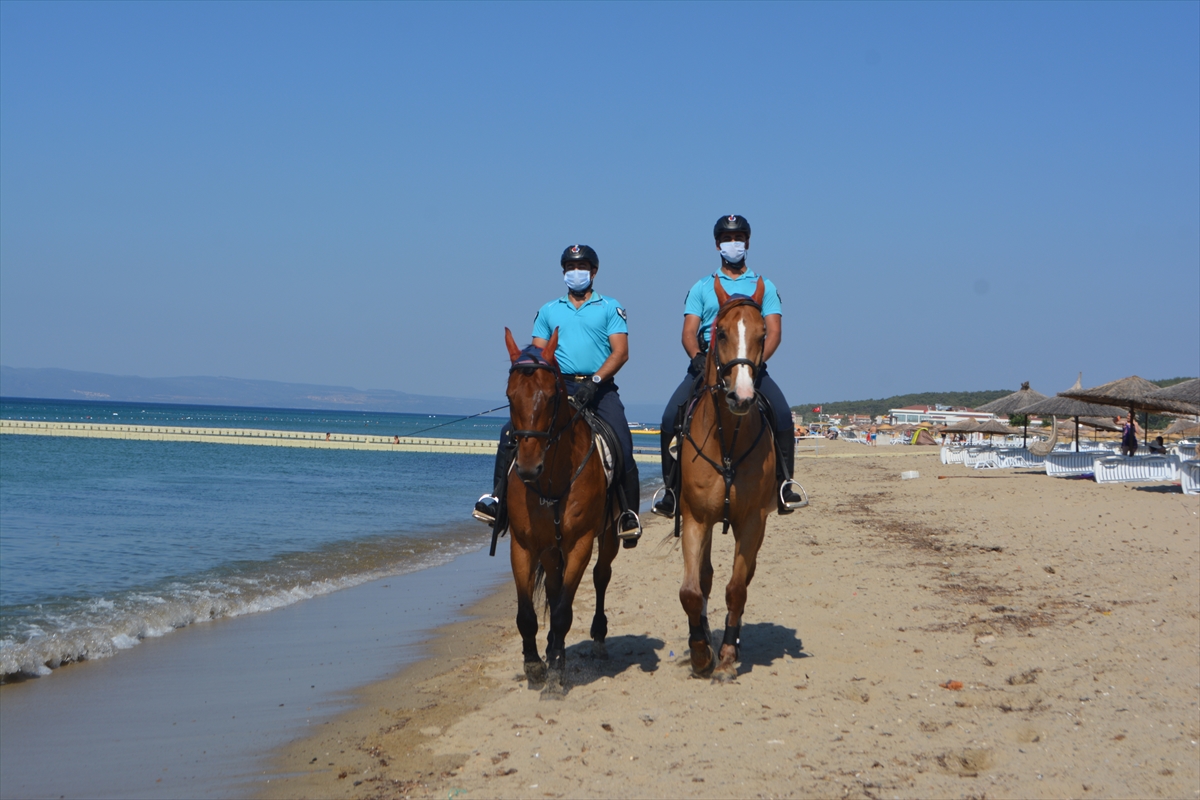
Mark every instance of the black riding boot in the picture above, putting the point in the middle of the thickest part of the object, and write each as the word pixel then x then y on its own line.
pixel 487 508
pixel 629 527
pixel 785 456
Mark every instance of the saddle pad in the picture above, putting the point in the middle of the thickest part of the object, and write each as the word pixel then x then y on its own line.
pixel 606 458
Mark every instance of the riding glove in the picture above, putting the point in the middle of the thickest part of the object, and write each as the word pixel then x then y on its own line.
pixel 698 361
pixel 584 394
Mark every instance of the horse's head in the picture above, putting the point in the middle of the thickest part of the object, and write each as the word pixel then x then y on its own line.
pixel 736 344
pixel 534 397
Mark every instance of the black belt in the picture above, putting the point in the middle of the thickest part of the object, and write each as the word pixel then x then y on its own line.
pixel 577 378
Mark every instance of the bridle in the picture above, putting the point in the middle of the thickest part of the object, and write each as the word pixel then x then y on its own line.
pixel 725 367
pixel 529 360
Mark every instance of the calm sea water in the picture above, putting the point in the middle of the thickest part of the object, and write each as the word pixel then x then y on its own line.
pixel 106 542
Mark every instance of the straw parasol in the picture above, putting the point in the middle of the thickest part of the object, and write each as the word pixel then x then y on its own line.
pixel 1013 403
pixel 1184 427
pixel 1186 392
pixel 1132 393
pixel 1062 406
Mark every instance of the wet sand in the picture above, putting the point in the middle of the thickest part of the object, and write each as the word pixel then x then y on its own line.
pixel 999 634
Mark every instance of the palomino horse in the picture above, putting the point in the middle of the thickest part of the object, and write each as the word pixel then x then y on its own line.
pixel 727 458
pixel 556 510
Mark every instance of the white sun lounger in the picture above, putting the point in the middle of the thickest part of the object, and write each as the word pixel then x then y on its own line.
pixel 1068 465
pixel 1139 469
pixel 976 454
pixel 1189 476
pixel 1185 451
pixel 953 453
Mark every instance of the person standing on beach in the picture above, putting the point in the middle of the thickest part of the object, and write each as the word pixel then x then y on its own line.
pixel 732 236
pixel 593 345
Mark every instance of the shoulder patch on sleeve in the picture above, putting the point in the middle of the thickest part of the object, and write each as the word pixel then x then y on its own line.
pixel 621 314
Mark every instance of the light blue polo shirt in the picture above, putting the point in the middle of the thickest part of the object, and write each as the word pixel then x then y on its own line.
pixel 582 332
pixel 702 299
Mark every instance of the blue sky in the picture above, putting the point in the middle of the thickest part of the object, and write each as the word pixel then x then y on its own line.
pixel 949 196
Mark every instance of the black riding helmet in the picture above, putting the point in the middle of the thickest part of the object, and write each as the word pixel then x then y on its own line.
pixel 734 223
pixel 580 252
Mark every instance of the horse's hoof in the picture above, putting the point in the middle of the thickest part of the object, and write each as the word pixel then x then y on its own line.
pixel 703 669
pixel 535 672
pixel 554 688
pixel 599 651
pixel 726 673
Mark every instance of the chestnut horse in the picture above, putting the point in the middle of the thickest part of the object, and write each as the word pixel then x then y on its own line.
pixel 727 458
pixel 556 510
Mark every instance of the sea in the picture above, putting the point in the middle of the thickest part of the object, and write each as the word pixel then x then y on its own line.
pixel 106 543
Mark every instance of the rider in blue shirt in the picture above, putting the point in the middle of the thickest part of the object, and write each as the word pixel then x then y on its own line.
pixel 732 235
pixel 593 345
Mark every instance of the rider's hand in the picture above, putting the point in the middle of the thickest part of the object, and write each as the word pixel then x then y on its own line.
pixel 698 361
pixel 583 394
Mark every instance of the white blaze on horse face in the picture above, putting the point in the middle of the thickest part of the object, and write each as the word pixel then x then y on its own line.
pixel 743 386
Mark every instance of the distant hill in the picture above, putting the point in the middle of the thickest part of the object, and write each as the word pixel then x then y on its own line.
pixel 875 408
pixel 65 384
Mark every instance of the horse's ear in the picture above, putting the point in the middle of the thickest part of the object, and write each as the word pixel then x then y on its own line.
pixel 759 292
pixel 513 350
pixel 551 346
pixel 722 295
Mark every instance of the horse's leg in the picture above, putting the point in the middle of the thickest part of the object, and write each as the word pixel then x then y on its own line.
pixel 697 544
pixel 562 614
pixel 523 567
pixel 600 578
pixel 749 538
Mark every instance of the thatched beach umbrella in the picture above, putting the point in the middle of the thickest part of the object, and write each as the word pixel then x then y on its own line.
pixel 1186 392
pixel 1061 406
pixel 994 426
pixel 1132 393
pixel 1184 427
pixel 1013 403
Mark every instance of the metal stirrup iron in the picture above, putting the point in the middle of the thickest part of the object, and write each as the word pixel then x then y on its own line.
pixel 799 490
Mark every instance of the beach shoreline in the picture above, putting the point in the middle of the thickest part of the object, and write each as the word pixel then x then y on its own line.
pixel 998 633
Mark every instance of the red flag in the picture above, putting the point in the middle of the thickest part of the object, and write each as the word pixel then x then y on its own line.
pixel 817 410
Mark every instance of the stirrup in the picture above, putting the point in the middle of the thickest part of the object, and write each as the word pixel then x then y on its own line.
pixel 657 502
pixel 629 526
pixel 486 512
pixel 800 490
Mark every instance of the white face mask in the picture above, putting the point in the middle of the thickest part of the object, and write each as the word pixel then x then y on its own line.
pixel 578 280
pixel 733 252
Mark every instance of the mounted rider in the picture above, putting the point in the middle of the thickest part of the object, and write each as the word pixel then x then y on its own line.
pixel 732 236
pixel 593 345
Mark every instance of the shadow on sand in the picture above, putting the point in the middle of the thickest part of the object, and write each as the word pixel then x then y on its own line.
pixel 763 643
pixel 624 652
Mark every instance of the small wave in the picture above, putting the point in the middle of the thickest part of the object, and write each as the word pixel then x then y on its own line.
pixel 46 638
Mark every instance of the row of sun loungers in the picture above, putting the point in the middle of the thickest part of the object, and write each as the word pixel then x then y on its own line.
pixel 1106 465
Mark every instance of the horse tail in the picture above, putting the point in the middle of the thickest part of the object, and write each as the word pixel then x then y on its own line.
pixel 540 599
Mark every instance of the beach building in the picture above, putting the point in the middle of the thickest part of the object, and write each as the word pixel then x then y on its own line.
pixel 936 415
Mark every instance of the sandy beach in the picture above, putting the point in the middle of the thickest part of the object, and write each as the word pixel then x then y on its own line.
pixel 998 634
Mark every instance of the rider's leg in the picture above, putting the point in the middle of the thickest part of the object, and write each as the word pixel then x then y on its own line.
pixel 785 438
pixel 670 419
pixel 609 408
pixel 488 506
